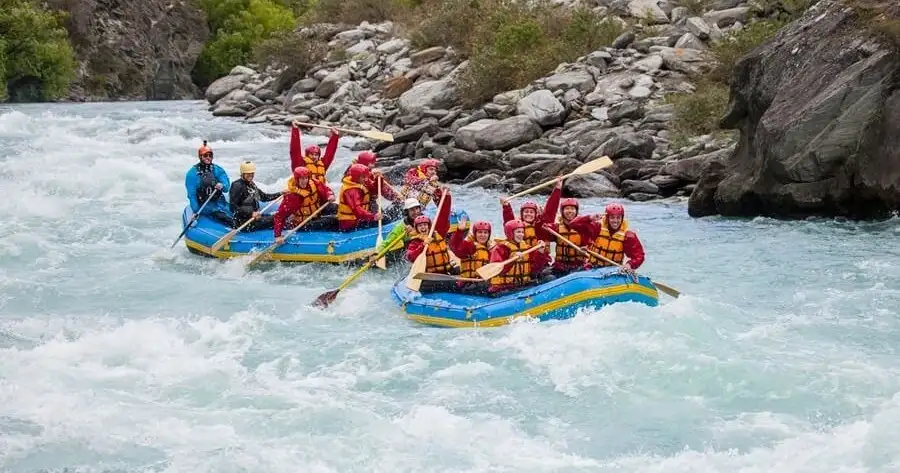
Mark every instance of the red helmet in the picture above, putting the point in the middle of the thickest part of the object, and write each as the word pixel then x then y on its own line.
pixel 367 158
pixel 358 172
pixel 615 209
pixel 481 225
pixel 300 172
pixel 511 226
pixel 430 163
pixel 421 219
pixel 313 150
pixel 568 202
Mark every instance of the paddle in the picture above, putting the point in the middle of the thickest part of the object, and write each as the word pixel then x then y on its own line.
pixel 421 262
pixel 194 218
pixel 328 297
pixel 228 236
pixel 664 288
pixel 381 263
pixel 586 168
pixel 373 134
pixel 443 277
pixel 492 269
pixel 286 235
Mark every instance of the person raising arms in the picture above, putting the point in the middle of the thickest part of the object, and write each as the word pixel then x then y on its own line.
pixel 312 157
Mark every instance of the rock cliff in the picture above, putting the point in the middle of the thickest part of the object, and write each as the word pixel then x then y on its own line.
pixel 818 110
pixel 137 50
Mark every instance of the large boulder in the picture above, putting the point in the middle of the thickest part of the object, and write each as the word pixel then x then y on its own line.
pixel 818 109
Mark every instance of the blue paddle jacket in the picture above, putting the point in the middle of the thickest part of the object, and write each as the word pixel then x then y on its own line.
pixel 200 180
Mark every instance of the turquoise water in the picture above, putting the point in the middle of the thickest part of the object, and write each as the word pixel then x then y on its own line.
pixel 120 355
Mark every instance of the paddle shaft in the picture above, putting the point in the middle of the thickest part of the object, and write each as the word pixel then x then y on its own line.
pixel 327 297
pixel 228 236
pixel 381 263
pixel 194 218
pixel 347 130
pixel 493 269
pixel 286 235
pixel 443 277
pixel 421 262
pixel 591 166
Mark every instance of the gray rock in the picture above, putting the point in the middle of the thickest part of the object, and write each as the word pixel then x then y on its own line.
pixel 486 181
pixel 427 55
pixel 505 134
pixel 642 197
pixel 630 186
pixel 415 132
pixel 363 46
pixel 304 85
pixel 228 110
pixel 628 110
pixel 626 145
pixel 224 86
pixel 542 107
pixel 461 162
pixel 689 61
pixel 689 169
pixel 723 18
pixel 465 135
pixel 351 36
pixel 392 46
pixel 648 10
pixel 590 185
pixel 579 79
pixel 333 81
pixel 689 41
pixel 429 94
pixel 348 92
pixel 698 27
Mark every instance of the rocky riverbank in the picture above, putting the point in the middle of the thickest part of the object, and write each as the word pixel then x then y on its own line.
pixel 609 102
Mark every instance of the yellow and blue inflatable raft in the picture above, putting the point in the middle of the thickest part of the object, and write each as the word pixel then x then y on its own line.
pixel 556 299
pixel 304 246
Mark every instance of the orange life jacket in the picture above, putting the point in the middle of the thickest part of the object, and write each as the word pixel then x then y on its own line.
pixel 344 211
pixel 480 257
pixel 437 254
pixel 309 198
pixel 610 246
pixel 565 254
pixel 517 273
pixel 316 169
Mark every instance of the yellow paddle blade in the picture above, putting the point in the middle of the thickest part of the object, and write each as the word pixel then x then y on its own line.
pixel 376 135
pixel 490 270
pixel 593 166
pixel 225 239
pixel 418 266
pixel 667 289
pixel 381 263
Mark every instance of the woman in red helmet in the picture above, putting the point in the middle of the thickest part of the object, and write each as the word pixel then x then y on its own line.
pixel 567 259
pixel 302 197
pixel 534 218
pixel 421 182
pixel 517 274
pixel 474 251
pixel 368 159
pixel 353 201
pixel 437 252
pixel 311 158
pixel 611 237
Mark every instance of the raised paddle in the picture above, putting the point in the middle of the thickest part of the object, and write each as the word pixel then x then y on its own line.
pixel 194 218
pixel 662 287
pixel 228 236
pixel 421 262
pixel 586 168
pixel 328 297
pixel 286 235
pixel 381 263
pixel 492 269
pixel 443 277
pixel 373 134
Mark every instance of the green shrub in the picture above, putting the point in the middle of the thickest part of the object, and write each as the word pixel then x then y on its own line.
pixel 736 44
pixel 291 52
pixel 34 49
pixel 698 113
pixel 237 27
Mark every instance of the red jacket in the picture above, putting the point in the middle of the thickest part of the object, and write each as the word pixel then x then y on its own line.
pixel 296 148
pixel 290 203
pixel 632 247
pixel 500 253
pixel 372 184
pixel 353 199
pixel 415 246
pixel 548 215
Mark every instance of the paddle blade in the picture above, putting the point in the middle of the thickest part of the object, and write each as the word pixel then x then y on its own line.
pixel 667 289
pixel 225 239
pixel 434 277
pixel 593 166
pixel 326 298
pixel 490 270
pixel 377 135
pixel 418 266
pixel 381 263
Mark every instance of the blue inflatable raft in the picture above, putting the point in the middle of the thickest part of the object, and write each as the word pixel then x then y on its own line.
pixel 311 246
pixel 557 299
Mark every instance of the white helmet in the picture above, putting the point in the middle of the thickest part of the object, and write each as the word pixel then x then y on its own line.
pixel 410 203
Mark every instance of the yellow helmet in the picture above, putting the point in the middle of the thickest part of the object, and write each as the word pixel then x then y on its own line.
pixel 247 167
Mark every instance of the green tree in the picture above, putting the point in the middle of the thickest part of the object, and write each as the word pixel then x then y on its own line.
pixel 237 26
pixel 34 50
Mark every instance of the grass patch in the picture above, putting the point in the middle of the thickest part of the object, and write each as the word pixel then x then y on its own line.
pixel 697 113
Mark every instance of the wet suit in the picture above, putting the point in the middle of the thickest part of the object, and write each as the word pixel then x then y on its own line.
pixel 245 198
pixel 200 182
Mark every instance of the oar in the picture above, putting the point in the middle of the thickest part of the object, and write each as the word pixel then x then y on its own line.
pixel 381 263
pixel 194 218
pixel 328 297
pixel 228 236
pixel 586 168
pixel 492 269
pixel 421 262
pixel 664 288
pixel 373 134
pixel 286 235
pixel 443 277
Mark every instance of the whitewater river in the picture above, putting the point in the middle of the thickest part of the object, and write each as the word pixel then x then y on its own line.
pixel 120 355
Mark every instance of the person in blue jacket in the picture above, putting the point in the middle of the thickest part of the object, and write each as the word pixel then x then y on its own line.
pixel 202 180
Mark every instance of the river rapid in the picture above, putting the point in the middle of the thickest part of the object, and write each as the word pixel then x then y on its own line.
pixel 118 354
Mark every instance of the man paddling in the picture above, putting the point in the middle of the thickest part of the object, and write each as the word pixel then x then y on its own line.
pixel 204 178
